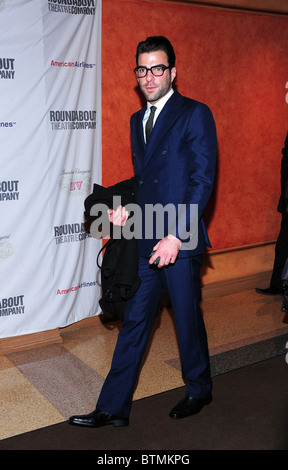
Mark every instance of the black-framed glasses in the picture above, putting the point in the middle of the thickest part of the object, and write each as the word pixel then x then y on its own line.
pixel 156 70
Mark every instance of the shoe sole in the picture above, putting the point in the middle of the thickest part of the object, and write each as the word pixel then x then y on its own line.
pixel 119 424
pixel 116 424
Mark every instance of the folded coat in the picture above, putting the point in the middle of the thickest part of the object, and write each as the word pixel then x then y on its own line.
pixel 119 269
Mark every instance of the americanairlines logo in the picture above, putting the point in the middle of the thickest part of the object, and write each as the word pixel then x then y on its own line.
pixel 7 124
pixel 76 287
pixel 68 233
pixel 74 7
pixel 63 120
pixel 7 69
pixel 72 64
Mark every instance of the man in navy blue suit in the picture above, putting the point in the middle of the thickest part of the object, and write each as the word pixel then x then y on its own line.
pixel 174 167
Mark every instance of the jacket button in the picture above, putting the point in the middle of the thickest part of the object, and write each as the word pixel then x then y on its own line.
pixel 108 295
pixel 141 182
pixel 164 152
pixel 156 180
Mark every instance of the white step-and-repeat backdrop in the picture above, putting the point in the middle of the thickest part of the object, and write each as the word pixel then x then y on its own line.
pixel 50 128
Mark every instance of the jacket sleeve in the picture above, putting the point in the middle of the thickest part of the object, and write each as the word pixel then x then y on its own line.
pixel 201 140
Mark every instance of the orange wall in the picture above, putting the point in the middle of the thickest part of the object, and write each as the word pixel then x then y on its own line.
pixel 235 62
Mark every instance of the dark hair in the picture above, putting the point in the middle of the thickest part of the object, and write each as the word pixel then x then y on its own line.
pixel 157 43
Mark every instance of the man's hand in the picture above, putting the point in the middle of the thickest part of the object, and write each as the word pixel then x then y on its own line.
pixel 118 217
pixel 168 249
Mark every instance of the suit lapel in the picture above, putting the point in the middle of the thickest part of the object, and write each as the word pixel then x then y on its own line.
pixel 139 136
pixel 167 117
pixel 137 140
pixel 165 120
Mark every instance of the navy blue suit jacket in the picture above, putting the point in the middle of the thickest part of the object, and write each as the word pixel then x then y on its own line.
pixel 177 166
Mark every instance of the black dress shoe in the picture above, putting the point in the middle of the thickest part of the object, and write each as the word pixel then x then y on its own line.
pixel 189 406
pixel 97 419
pixel 269 291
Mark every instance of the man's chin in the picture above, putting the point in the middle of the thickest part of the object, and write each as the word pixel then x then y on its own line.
pixel 151 97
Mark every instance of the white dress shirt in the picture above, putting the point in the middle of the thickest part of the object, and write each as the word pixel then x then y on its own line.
pixel 159 106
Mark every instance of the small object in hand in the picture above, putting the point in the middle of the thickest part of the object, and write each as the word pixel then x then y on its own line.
pixel 157 260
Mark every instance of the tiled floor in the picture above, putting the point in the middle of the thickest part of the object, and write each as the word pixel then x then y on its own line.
pixel 44 386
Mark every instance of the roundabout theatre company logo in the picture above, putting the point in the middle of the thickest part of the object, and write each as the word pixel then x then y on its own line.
pixel 62 120
pixel 74 7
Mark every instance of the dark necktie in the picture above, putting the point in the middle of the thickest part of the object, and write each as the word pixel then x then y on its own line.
pixel 149 123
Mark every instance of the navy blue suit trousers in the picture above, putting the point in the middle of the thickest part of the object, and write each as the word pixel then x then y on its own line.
pixel 182 282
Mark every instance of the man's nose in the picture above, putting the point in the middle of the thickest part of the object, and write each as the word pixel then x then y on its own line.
pixel 149 75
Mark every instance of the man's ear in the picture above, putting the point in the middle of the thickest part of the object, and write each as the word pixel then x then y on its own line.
pixel 173 74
